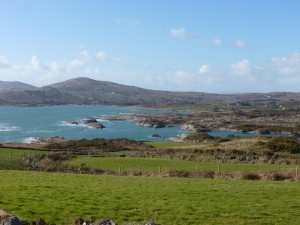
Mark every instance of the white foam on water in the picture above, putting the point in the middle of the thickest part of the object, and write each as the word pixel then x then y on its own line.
pixel 69 124
pixel 30 140
pixel 5 127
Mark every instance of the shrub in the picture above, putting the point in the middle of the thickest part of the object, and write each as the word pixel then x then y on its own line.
pixel 251 176
pixel 198 137
pixel 281 144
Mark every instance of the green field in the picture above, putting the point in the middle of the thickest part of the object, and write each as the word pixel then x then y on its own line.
pixel 60 198
pixel 154 164
pixel 10 158
pixel 167 144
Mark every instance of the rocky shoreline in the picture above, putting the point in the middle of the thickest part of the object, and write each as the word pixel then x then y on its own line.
pixel 246 122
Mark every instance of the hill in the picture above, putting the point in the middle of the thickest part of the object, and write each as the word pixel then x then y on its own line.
pixel 87 91
pixel 14 85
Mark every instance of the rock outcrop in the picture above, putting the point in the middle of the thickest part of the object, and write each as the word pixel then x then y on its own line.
pixel 89 122
pixel 152 123
pixel 9 219
pixel 93 123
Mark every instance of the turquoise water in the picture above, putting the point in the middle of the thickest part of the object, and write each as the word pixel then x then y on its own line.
pixel 22 124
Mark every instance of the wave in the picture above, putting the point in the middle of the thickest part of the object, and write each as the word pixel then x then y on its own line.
pixel 5 127
pixel 127 113
pixel 30 140
pixel 68 124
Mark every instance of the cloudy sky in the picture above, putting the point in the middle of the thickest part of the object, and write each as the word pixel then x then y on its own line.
pixel 221 46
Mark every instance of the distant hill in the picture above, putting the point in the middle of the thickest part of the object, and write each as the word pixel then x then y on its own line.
pixel 91 92
pixel 14 85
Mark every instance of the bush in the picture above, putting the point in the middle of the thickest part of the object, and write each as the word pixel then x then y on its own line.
pixel 281 144
pixel 198 137
pixel 251 176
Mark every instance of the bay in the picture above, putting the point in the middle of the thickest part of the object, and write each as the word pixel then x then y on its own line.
pixel 23 124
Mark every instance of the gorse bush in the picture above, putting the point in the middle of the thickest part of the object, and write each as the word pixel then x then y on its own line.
pixel 281 144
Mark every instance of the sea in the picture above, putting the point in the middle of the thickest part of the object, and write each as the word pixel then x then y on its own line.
pixel 25 124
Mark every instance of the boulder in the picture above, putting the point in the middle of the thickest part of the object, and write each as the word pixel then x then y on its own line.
pixel 8 219
pixel 104 222
pixel 78 221
pixel 92 122
pixel 151 224
pixel 156 136
pixel 39 221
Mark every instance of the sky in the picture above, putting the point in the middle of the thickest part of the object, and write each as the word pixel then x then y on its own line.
pixel 216 46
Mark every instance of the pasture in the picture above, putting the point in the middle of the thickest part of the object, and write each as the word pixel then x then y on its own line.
pixel 60 198
pixel 11 158
pixel 161 164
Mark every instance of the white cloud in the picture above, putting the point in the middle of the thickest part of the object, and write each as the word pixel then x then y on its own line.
pixel 216 42
pixel 179 33
pixel 35 62
pixel 241 67
pixel 102 56
pixel 3 62
pixel 40 73
pixel 285 66
pixel 183 76
pixel 278 74
pixel 239 44
pixel 204 69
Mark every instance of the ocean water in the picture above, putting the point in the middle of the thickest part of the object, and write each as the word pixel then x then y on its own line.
pixel 23 124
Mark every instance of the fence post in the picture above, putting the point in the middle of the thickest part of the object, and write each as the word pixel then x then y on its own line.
pixel 196 168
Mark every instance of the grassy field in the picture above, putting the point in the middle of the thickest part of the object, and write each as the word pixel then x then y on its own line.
pixel 60 198
pixel 169 144
pixel 153 165
pixel 10 158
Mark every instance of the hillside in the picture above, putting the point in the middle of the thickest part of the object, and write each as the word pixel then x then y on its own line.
pixel 14 85
pixel 88 91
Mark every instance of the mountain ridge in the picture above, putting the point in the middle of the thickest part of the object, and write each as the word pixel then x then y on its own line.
pixel 15 85
pixel 87 91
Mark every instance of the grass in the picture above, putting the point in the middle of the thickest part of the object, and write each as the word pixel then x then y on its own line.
pixel 153 164
pixel 60 198
pixel 169 144
pixel 212 107
pixel 11 158
pixel 7 152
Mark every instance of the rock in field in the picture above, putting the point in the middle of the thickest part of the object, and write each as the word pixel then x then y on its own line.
pixel 104 222
pixel 8 219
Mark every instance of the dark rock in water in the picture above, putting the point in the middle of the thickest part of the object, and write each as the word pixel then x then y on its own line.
pixel 90 122
pixel 152 123
pixel 104 222
pixel 195 127
pixel 156 136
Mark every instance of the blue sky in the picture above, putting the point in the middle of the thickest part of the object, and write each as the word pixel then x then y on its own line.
pixel 221 46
